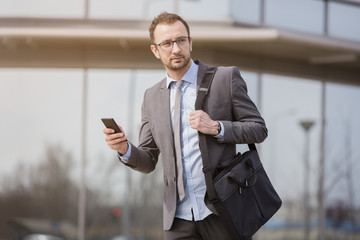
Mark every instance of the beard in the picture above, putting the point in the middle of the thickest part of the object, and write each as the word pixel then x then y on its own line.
pixel 178 65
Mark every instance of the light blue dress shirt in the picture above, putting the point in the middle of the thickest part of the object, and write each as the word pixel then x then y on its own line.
pixel 192 206
pixel 194 181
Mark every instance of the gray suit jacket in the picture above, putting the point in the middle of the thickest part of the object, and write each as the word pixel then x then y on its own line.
pixel 227 101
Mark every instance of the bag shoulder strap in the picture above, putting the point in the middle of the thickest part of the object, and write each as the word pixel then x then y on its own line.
pixel 204 87
pixel 252 146
pixel 203 91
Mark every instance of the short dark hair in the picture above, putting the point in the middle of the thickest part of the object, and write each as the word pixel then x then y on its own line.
pixel 167 18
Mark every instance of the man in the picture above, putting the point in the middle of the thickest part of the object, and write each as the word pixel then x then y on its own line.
pixel 229 118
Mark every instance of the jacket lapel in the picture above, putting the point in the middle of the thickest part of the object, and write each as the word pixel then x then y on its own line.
pixel 164 114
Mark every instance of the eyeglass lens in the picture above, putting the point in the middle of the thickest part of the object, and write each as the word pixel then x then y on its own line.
pixel 181 42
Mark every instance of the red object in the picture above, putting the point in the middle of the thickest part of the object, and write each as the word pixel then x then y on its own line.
pixel 116 212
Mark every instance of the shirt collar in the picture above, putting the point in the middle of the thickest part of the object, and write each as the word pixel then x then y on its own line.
pixel 190 76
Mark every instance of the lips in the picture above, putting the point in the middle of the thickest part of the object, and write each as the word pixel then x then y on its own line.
pixel 177 58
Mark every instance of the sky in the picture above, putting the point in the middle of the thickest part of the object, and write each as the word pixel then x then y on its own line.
pixel 42 107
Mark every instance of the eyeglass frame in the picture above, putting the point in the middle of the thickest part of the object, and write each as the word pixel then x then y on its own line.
pixel 172 42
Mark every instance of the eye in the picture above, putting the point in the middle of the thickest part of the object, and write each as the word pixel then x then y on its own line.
pixel 181 40
pixel 166 44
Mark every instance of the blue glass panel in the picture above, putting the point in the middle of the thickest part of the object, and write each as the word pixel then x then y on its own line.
pixel 344 21
pixel 297 15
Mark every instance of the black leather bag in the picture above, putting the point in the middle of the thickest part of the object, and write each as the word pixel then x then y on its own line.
pixel 246 194
pixel 241 191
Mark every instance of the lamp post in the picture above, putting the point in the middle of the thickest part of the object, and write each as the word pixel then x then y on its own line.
pixel 82 190
pixel 306 125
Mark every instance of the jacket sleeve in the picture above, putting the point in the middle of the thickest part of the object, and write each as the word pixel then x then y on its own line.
pixel 247 125
pixel 144 158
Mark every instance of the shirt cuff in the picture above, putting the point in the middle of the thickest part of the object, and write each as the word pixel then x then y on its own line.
pixel 125 158
pixel 220 136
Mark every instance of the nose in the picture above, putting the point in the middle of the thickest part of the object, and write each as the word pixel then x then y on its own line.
pixel 175 47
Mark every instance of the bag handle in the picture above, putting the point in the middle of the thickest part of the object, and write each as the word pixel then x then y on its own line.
pixel 233 178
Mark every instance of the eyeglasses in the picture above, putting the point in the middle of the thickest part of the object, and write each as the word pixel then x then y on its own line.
pixel 168 45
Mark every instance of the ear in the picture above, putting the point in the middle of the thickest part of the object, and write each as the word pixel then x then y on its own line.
pixel 155 51
pixel 190 47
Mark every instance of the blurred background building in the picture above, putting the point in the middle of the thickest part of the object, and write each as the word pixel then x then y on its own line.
pixel 66 64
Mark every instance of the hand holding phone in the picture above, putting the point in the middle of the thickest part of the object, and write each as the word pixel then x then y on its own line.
pixel 114 141
pixel 110 123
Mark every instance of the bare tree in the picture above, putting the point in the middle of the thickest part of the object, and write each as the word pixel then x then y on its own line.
pixel 47 191
pixel 43 191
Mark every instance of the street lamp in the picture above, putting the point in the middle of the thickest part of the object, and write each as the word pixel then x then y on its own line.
pixel 306 125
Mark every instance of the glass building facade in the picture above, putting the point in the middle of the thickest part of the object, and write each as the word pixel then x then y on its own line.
pixel 43 131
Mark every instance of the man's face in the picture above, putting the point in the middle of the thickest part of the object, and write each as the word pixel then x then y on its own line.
pixel 176 57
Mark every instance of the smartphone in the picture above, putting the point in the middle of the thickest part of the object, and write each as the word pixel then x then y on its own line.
pixel 110 123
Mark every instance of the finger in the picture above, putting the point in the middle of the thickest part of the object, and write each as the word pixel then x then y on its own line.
pixel 116 141
pixel 108 131
pixel 113 136
pixel 192 121
pixel 196 112
pixel 195 124
pixel 194 115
